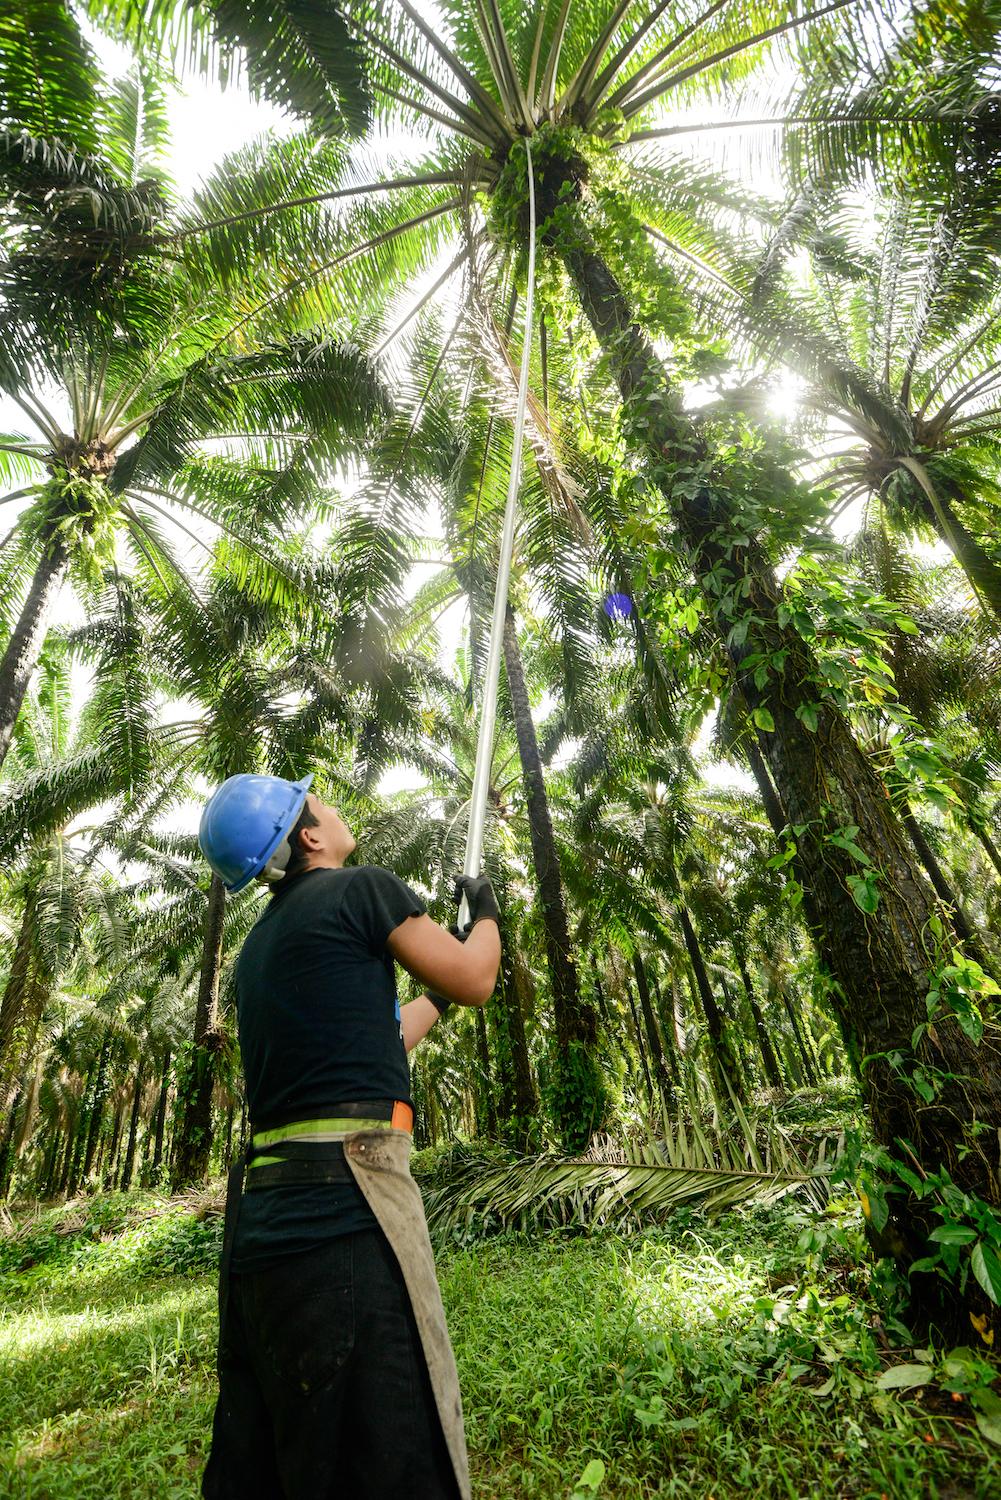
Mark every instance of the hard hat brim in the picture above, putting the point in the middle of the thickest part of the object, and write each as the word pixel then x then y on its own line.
pixel 261 863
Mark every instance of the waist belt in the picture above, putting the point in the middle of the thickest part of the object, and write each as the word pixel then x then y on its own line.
pixel 307 1153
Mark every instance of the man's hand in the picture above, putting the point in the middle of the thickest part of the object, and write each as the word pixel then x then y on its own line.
pixel 480 899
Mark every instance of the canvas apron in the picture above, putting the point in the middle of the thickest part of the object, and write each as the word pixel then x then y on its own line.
pixel 379 1162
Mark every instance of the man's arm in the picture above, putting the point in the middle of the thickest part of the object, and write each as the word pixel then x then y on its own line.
pixel 464 972
pixel 416 1019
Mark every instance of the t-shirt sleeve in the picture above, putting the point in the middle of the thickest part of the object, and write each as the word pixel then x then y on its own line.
pixel 375 904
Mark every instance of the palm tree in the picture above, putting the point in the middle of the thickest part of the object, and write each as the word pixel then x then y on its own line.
pixel 897 340
pixel 61 897
pixel 124 370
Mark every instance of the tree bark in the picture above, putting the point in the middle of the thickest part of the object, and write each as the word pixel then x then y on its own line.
pixel 987 843
pixel 24 647
pixel 519 1100
pixel 979 567
pixel 486 1084
pixel 7 1151
pixel 12 1005
pixel 664 1084
pixel 161 1114
pixel 97 1104
pixel 191 1153
pixel 882 959
pixel 130 1146
pixel 111 1175
pixel 810 1072
pixel 942 887
pixel 574 1020
pixel 724 1064
pixel 768 1058
pixel 640 1045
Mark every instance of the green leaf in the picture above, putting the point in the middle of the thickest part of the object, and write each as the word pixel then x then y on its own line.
pixel 864 892
pixel 590 1481
pixel 905 1377
pixel 48 74
pixel 987 1270
pixel 912 1179
pixel 763 720
pixel 953 1234
pixel 987 1409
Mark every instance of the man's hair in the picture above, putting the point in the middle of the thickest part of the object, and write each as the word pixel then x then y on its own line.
pixel 298 857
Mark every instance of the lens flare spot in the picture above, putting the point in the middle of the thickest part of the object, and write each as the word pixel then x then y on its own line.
pixel 618 606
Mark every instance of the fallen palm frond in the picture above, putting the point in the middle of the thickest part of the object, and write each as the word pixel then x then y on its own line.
pixel 546 1192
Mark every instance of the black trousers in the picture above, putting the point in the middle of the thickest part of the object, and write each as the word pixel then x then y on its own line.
pixel 323 1389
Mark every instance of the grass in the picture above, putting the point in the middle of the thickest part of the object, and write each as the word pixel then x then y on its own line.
pixel 735 1358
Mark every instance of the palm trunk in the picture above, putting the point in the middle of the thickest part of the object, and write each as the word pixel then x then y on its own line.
pixel 25 644
pixel 487 1125
pixel 227 1149
pixel 130 1147
pixel 72 1126
pixel 664 1012
pixel 724 1064
pixel 641 1049
pixel 161 1114
pixel 768 1058
pixel 191 1154
pixel 987 843
pixel 111 1174
pixel 664 1084
pixel 12 1005
pixel 978 565
pixel 881 959
pixel 810 1072
pixel 736 1036
pixel 574 1022
pixel 47 1183
pixel 7 1151
pixel 97 1105
pixel 519 1102
pixel 599 999
pixel 577 1097
pixel 943 890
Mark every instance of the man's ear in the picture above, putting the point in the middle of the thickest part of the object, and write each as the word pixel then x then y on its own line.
pixel 309 839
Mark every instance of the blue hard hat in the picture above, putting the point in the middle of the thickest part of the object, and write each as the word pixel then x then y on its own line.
pixel 245 821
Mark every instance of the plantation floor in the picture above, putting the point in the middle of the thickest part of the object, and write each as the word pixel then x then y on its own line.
pixel 699 1360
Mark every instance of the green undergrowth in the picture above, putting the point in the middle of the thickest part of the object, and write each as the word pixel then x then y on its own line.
pixel 742 1357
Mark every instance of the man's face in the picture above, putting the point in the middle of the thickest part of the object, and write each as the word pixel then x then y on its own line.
pixel 331 838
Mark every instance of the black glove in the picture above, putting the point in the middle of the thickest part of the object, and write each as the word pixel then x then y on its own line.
pixel 480 898
pixel 439 1001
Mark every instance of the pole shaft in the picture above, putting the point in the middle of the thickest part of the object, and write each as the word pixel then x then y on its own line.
pixel 488 712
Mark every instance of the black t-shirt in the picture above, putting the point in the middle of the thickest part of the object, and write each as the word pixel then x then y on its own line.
pixel 319 1024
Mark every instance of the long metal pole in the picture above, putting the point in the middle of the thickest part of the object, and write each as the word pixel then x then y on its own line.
pixel 488 712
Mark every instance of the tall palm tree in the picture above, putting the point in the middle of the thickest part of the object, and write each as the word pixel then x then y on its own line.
pixel 61 897
pixel 124 370
pixel 896 337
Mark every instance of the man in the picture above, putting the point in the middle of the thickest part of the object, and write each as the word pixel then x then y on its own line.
pixel 336 1375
